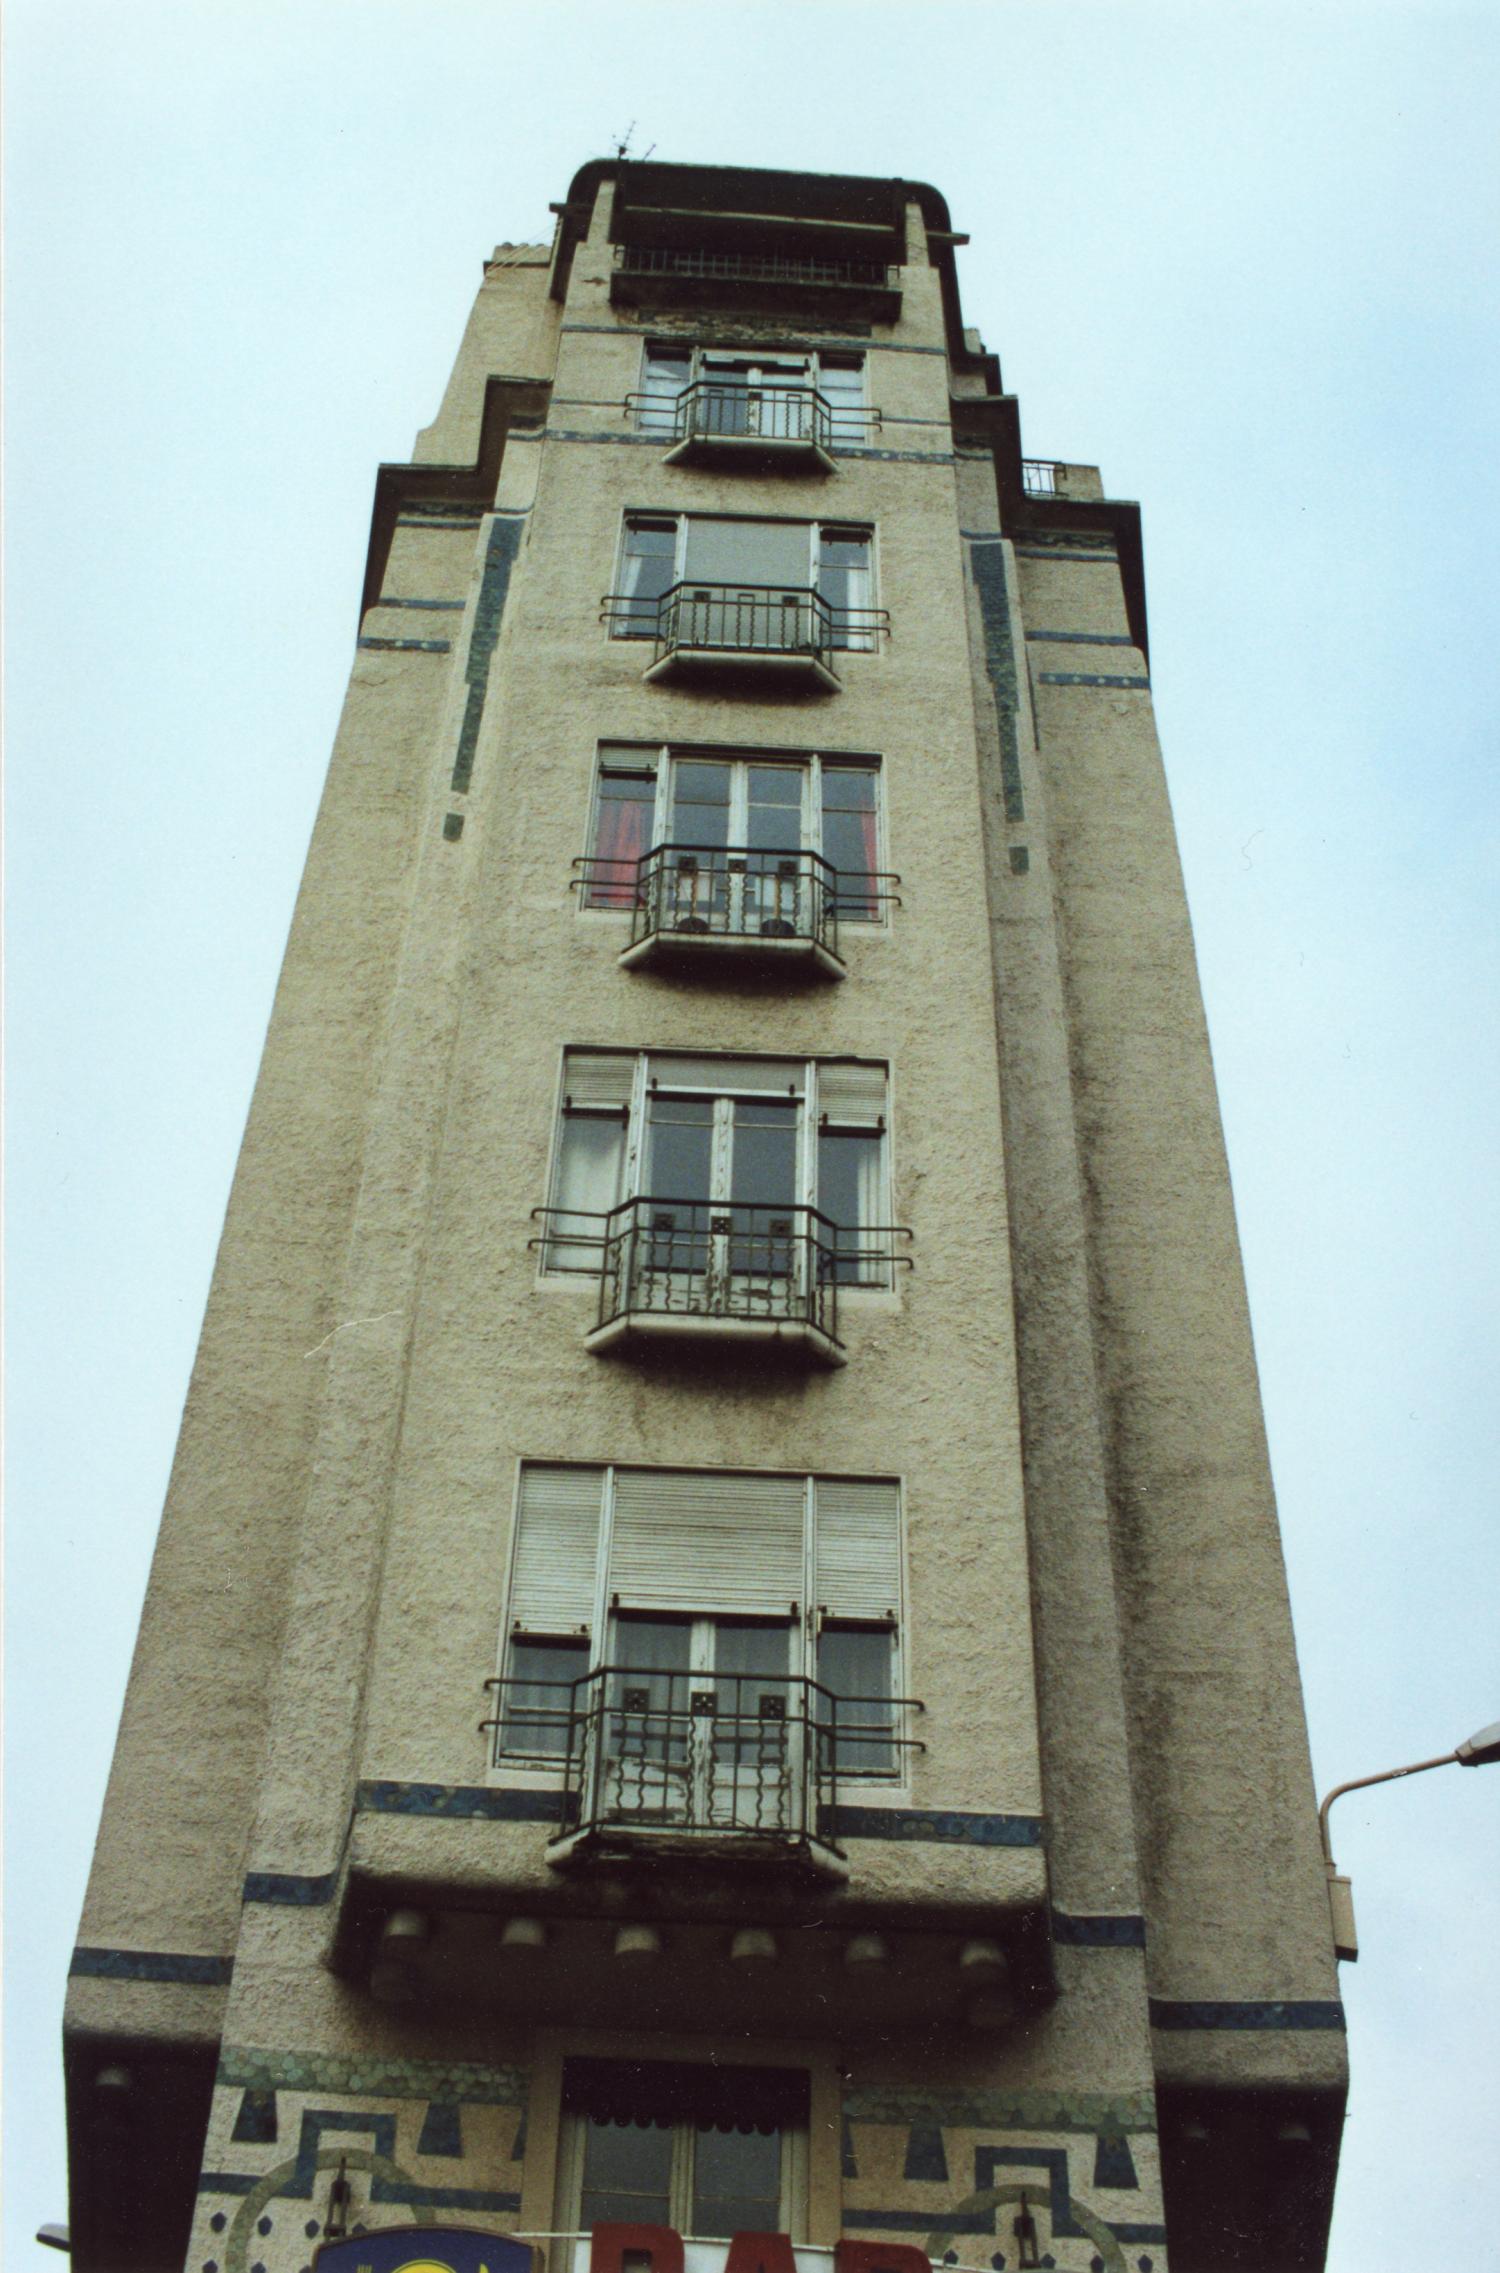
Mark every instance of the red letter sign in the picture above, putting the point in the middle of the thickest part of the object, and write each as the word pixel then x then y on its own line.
pixel 880 2257
pixel 760 2253
pixel 614 2245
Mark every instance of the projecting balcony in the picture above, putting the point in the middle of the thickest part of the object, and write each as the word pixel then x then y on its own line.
pixel 717 1767
pixel 765 1275
pixel 780 429
pixel 788 635
pixel 681 276
pixel 729 906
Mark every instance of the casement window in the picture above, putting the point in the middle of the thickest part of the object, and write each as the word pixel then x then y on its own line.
pixel 708 2152
pixel 689 1619
pixel 760 803
pixel 772 562
pixel 719 1152
pixel 755 392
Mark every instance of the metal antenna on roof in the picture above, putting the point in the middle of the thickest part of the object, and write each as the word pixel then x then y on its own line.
pixel 622 147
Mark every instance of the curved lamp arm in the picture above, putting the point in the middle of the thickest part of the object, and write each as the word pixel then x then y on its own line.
pixel 1476 1751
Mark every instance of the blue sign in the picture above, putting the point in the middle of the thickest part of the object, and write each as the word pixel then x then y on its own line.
pixel 425 2249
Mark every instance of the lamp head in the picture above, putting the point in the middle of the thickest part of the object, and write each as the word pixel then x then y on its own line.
pixel 1478 1750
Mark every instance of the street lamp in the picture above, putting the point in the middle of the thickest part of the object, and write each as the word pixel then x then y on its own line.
pixel 1475 1752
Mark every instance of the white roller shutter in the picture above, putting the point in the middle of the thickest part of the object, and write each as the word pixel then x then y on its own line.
pixel 715 1541
pixel 598 1079
pixel 729 1077
pixel 557 1549
pixel 851 1091
pixel 858 1552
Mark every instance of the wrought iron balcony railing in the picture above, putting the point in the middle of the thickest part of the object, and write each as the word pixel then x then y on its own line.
pixel 653 1758
pixel 722 417
pixel 686 899
pixel 754 268
pixel 732 1270
pixel 790 630
pixel 1039 477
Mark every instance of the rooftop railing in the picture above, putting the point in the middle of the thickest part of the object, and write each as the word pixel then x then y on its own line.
pixel 1039 477
pixel 733 897
pixel 792 629
pixel 711 1269
pixel 654 1757
pixel 753 268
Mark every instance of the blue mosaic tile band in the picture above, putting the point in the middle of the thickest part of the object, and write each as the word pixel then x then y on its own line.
pixel 499 559
pixel 447 607
pixel 655 442
pixel 1208 2012
pixel 987 564
pixel 944 1827
pixel 94 1964
pixel 1099 1930
pixel 470 2082
pixel 962 2109
pixel 406 646
pixel 432 520
pixel 289 1888
pixel 1093 679
pixel 298 2186
pixel 1085 638
pixel 494 1803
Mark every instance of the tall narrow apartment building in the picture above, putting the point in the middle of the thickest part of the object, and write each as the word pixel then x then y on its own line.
pixel 718 1660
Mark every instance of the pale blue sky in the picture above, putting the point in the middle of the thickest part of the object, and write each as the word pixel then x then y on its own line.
pixel 1241 257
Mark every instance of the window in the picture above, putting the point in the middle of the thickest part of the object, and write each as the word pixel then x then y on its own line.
pixel 710 2152
pixel 721 1154
pixel 765 565
pixel 762 804
pixel 711 1634
pixel 775 395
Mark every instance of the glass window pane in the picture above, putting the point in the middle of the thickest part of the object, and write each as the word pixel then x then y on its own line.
pixel 648 1703
pixel 666 375
pixel 590 1158
pixel 854 1666
pixel 850 841
pixel 842 386
pixel 648 572
pixel 624 816
pixel 775 808
pixel 844 581
pixel 700 802
pixel 680 1147
pixel 627 2174
pixel 736 2182
pixel 539 1696
pixel 849 1192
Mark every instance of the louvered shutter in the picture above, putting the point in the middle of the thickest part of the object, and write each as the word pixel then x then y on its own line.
pixel 715 1541
pixel 858 1548
pixel 851 1092
pixel 557 1547
pixel 598 1079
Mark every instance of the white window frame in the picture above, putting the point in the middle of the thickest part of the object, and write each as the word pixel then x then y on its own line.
pixel 807 1619
pixel 758 358
pixel 661 759
pixel 864 642
pixel 570 2243
pixel 652 1071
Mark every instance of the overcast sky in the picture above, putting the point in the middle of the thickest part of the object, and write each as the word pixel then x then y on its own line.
pixel 1241 257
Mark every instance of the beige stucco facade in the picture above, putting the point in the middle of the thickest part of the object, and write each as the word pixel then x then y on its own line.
pixel 1069 1931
